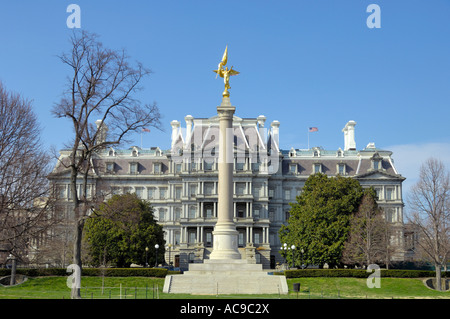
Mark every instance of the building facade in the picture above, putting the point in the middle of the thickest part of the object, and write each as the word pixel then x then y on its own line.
pixel 182 184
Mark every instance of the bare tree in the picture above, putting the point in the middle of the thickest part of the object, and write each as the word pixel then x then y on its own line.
pixel 429 202
pixel 368 240
pixel 102 88
pixel 24 165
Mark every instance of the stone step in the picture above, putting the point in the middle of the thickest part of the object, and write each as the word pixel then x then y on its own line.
pixel 227 284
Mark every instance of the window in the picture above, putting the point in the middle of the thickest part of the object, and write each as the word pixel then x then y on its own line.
pixel 208 239
pixel 376 165
pixel 178 191
pixel 240 188
pixel 287 194
pixel 271 193
pixel 389 215
pixel 178 168
pixel 139 192
pixel 376 161
pixel 133 168
pixel 192 211
pixel 209 211
pixel 177 213
pixel 61 191
pixel 127 190
pixel 293 168
pixel 163 193
pixel 317 168
pixel 193 189
pixel 151 192
pixel 390 192
pixel 241 239
pixel 192 239
pixel 157 168
pixel 110 167
pixel 208 165
pixel 257 238
pixel 341 169
pixel 209 188
pixel 378 192
pixel 162 214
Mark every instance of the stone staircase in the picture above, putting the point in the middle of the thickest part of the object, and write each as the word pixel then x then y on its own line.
pixel 225 277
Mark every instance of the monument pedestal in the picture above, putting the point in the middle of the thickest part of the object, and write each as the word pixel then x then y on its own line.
pixel 232 276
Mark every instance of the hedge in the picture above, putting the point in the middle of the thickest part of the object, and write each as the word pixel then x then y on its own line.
pixel 109 272
pixel 361 273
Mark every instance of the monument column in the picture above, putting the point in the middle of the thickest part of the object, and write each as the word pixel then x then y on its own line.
pixel 225 234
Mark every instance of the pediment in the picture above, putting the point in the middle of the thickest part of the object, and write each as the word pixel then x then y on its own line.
pixel 378 174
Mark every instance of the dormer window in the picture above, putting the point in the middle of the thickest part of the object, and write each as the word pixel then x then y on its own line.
pixel 135 152
pixel 341 169
pixel 339 153
pixel 317 168
pixel 157 169
pixel 134 168
pixel 376 162
pixel 111 152
pixel 293 168
pixel 110 167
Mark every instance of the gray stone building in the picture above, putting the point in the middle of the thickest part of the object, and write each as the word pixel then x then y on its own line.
pixel 181 184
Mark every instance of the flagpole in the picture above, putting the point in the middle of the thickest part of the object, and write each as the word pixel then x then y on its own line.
pixel 308 138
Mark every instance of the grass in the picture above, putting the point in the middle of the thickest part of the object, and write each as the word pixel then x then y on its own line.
pixel 142 288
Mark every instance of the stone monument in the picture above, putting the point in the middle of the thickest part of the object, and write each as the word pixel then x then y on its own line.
pixel 225 272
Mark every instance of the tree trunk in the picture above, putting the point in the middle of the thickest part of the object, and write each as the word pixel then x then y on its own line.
pixel 77 253
pixel 438 276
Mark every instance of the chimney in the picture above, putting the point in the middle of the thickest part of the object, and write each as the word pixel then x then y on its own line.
pixel 175 127
pixel 102 131
pixel 349 136
pixel 189 119
pixel 275 128
pixel 261 120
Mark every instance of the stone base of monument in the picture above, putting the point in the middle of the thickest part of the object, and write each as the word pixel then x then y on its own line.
pixel 233 276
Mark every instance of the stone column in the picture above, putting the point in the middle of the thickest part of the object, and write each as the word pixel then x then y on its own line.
pixel 225 233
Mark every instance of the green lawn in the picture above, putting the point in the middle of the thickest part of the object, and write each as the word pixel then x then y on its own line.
pixel 142 287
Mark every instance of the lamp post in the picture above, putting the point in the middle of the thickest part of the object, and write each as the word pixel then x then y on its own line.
pixel 302 251
pixel 156 255
pixel 169 246
pixel 146 256
pixel 293 255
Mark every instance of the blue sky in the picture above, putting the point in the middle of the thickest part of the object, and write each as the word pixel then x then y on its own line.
pixel 303 63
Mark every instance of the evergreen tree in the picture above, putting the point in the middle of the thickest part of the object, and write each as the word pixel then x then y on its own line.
pixel 120 231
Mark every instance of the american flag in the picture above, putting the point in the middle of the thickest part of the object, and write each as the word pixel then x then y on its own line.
pixel 313 129
pixel 145 129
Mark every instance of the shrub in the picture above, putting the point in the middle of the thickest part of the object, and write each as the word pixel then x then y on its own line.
pixel 360 273
pixel 109 272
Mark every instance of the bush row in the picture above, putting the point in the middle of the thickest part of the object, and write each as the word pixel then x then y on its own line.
pixel 361 273
pixel 108 272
